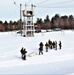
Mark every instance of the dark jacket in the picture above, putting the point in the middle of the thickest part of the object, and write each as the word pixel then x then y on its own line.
pixel 23 51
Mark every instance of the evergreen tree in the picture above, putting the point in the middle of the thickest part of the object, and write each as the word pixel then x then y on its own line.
pixel 6 25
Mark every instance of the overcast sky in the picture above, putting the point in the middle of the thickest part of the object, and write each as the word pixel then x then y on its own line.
pixel 11 11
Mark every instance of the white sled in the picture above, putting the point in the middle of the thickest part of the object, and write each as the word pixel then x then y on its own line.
pixel 32 54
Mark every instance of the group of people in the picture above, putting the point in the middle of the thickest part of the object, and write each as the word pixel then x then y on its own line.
pixel 49 44
pixel 54 44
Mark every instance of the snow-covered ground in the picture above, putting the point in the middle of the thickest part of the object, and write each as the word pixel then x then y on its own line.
pixel 51 62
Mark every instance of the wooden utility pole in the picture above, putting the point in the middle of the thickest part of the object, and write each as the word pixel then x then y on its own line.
pixel 21 18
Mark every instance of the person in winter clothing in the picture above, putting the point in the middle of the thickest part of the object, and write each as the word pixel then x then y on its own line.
pixel 55 45
pixel 60 45
pixel 46 45
pixel 24 58
pixel 41 45
pixel 40 48
pixel 23 52
pixel 50 44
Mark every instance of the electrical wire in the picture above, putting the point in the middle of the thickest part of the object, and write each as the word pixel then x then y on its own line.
pixel 15 3
pixel 28 2
pixel 41 2
pixel 50 5
pixel 62 2
pixel 59 3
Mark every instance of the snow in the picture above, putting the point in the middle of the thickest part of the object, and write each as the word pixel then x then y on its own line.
pixel 51 62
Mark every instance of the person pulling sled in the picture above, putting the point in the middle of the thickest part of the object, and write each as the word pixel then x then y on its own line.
pixel 23 53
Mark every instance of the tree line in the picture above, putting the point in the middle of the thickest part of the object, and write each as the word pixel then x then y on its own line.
pixel 9 26
pixel 57 21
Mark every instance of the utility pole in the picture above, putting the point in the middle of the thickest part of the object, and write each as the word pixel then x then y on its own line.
pixel 21 18
pixel 25 5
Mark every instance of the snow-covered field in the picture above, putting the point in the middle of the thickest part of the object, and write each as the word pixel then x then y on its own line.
pixel 51 62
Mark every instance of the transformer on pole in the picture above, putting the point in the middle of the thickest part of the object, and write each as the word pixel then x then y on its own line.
pixel 28 25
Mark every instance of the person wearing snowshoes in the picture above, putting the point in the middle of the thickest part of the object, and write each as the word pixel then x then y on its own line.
pixel 23 52
pixel 40 48
pixel 46 45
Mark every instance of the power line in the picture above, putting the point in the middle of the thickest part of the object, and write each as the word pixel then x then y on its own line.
pixel 41 2
pixel 60 2
pixel 28 2
pixel 15 3
pixel 52 7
